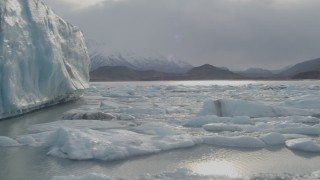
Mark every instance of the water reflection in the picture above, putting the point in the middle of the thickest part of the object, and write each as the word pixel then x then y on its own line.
pixel 216 168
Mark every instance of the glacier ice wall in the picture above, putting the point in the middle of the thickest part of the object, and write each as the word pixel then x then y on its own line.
pixel 43 59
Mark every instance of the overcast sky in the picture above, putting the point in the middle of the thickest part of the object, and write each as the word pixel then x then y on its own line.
pixel 231 33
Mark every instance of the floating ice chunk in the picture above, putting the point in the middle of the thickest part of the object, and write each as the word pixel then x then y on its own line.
pixel 156 128
pixel 111 144
pixel 170 88
pixel 217 127
pixel 306 102
pixel 108 105
pixel 186 174
pixel 87 114
pixel 203 120
pixel 141 110
pixel 26 140
pixel 36 139
pixel 229 108
pixel 294 136
pixel 131 92
pixel 125 117
pixel 273 138
pixel 200 121
pixel 304 144
pixel 178 174
pixel 241 120
pixel 174 110
pixel 315 175
pixel 304 119
pixel 91 176
pixel 239 141
pixel 77 124
pixel 300 130
pixel 7 142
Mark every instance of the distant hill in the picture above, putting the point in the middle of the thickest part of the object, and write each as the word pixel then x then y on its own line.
pixel 256 73
pixel 307 66
pixel 308 75
pixel 208 71
pixel 121 73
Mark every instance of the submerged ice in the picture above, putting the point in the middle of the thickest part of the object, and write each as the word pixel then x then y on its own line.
pixel 43 59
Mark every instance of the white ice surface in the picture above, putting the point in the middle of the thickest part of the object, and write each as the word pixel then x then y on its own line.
pixel 43 58
pixel 155 118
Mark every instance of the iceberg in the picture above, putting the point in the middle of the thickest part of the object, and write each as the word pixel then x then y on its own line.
pixel 43 59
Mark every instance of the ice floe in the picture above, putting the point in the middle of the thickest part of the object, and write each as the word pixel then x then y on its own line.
pixel 187 174
pixel 217 127
pixel 304 102
pixel 111 144
pixel 239 141
pixel 304 144
pixel 203 120
pixel 8 142
pixel 272 139
pixel 231 107
pixel 87 114
pixel 78 124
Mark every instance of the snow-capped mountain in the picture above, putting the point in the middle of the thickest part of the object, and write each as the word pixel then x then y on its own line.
pixel 160 64
pixel 43 59
pixel 133 61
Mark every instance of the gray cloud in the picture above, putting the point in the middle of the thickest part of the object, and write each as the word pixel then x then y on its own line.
pixel 232 33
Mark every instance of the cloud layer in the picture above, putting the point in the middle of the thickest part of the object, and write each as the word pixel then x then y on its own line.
pixel 233 33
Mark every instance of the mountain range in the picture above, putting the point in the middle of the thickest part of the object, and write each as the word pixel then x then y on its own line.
pixel 122 73
pixel 127 67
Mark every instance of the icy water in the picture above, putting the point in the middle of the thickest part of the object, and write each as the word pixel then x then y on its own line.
pixel 172 131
